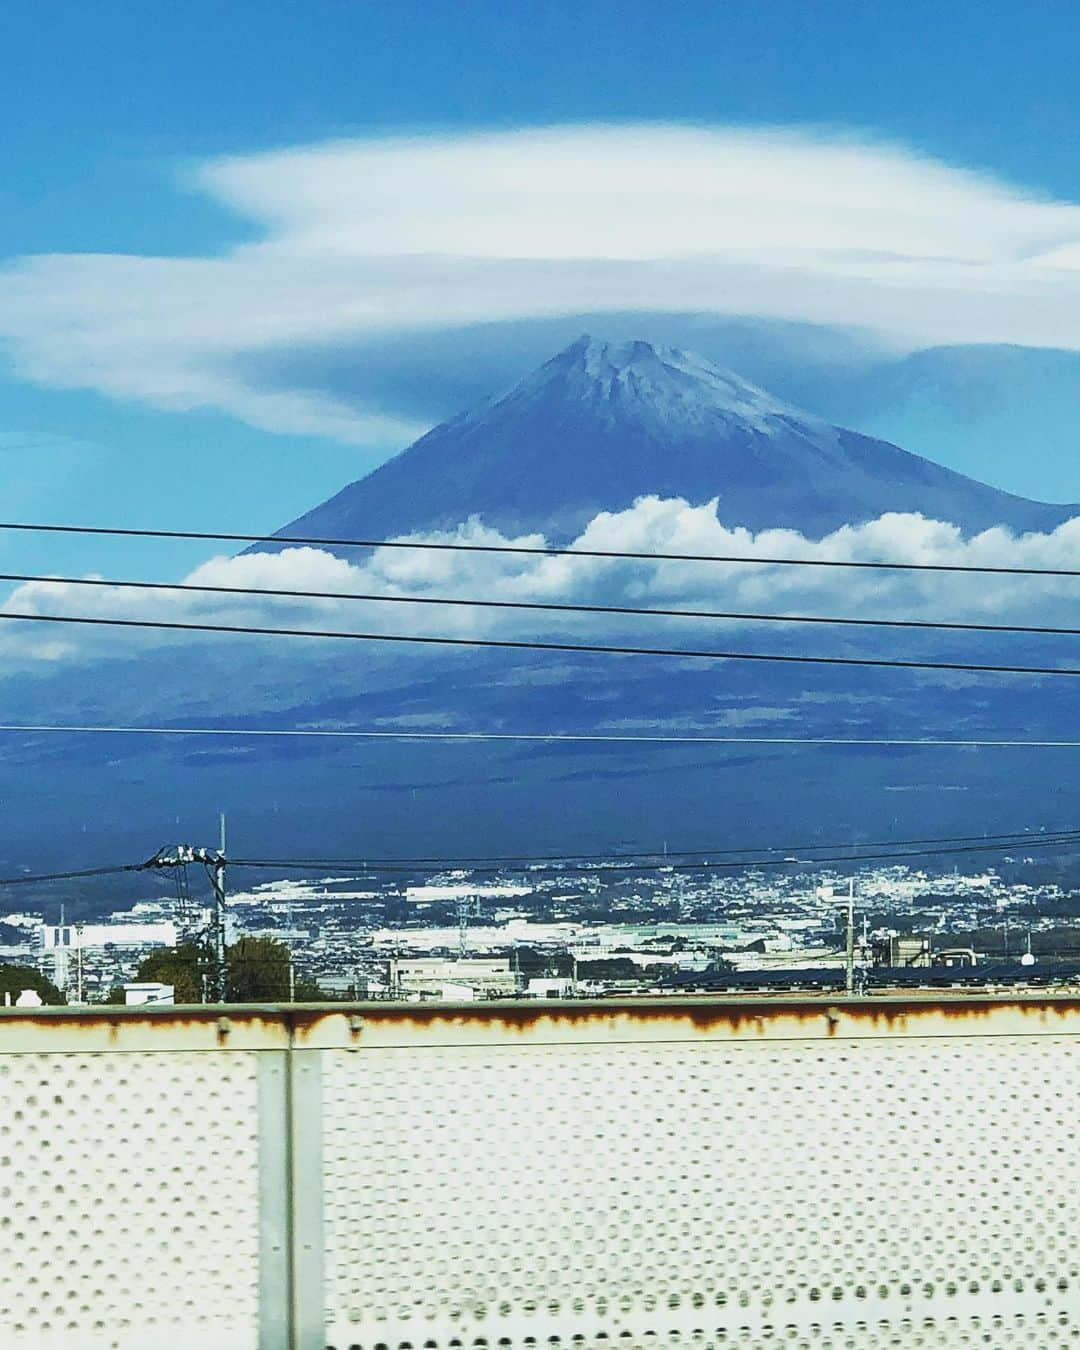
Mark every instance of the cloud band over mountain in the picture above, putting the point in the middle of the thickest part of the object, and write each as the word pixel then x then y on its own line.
pixel 380 237
pixel 652 524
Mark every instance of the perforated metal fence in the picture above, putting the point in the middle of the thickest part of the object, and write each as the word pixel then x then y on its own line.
pixel 760 1174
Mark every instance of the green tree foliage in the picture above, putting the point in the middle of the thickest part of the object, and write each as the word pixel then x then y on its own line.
pixel 258 970
pixel 616 968
pixel 307 991
pixel 531 964
pixel 183 967
pixel 14 979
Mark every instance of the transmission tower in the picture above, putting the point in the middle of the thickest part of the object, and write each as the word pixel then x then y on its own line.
pixel 468 906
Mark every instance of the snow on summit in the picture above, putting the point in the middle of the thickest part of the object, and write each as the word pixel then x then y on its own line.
pixel 664 385
pixel 602 424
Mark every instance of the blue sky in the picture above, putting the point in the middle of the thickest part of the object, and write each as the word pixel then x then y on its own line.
pixel 100 100
pixel 250 248
pixel 112 112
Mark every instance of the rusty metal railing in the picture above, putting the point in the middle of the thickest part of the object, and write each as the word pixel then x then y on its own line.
pixel 746 1171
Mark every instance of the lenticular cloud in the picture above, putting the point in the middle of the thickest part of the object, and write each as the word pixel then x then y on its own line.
pixel 363 239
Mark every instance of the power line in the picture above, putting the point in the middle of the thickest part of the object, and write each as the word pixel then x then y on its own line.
pixel 1000 843
pixel 522 645
pixel 543 605
pixel 545 737
pixel 743 864
pixel 1010 839
pixel 27 880
pixel 456 547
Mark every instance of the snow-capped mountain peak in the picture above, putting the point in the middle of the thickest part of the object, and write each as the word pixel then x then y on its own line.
pixel 661 384
pixel 602 424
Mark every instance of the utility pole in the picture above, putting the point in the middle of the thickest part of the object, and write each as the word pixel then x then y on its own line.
pixel 217 880
pixel 176 859
pixel 60 961
pixel 849 947
pixel 217 931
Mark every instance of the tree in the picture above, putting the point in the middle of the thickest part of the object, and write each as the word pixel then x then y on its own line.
pixel 183 967
pixel 256 971
pixel 531 964
pixel 308 991
pixel 14 979
pixel 612 968
pixel 257 968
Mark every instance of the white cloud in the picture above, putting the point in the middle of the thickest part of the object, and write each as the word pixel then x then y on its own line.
pixel 374 237
pixel 633 193
pixel 651 525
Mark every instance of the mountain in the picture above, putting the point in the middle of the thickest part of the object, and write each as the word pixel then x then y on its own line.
pixel 604 423
pixel 592 429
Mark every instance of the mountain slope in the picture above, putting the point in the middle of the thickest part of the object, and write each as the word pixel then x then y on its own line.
pixel 978 404
pixel 602 424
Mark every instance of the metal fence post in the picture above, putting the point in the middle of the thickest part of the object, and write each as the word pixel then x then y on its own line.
pixel 275 1281
pixel 306 1197
pixel 291 1292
